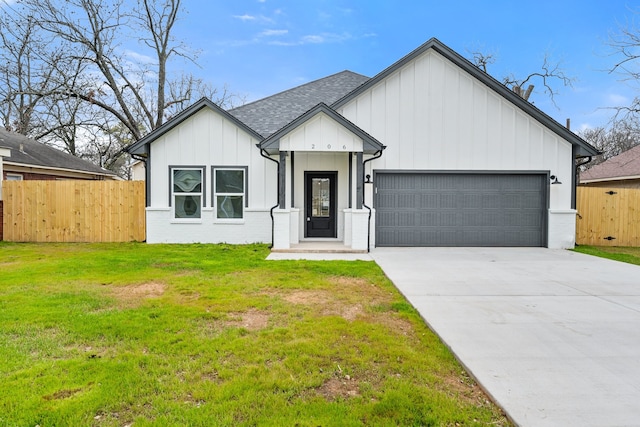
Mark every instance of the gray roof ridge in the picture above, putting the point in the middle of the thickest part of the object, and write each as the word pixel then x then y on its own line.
pixel 295 88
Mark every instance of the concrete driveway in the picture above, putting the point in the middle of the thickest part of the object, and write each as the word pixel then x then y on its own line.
pixel 553 336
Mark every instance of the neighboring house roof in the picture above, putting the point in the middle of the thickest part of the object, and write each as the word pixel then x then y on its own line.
pixel 623 166
pixel 584 148
pixel 30 153
pixel 139 147
pixel 371 145
pixel 268 115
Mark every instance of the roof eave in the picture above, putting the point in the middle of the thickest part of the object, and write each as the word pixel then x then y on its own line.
pixel 7 162
pixel 612 178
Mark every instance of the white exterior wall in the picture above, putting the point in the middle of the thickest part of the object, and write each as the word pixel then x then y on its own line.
pixel 209 139
pixel 321 133
pixel 432 115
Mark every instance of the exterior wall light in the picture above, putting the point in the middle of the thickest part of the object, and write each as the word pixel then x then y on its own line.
pixel 554 180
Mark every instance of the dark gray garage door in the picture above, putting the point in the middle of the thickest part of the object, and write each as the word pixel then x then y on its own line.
pixel 455 209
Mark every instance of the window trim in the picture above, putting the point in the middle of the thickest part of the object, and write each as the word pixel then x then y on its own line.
pixel 245 170
pixel 203 191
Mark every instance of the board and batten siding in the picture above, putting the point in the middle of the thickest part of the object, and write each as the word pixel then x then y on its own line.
pixel 432 115
pixel 209 139
pixel 319 134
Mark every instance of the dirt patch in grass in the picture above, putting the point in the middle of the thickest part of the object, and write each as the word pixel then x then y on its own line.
pixel 344 299
pixel 339 388
pixel 133 295
pixel 62 394
pixel 394 323
pixel 252 320
pixel 465 388
pixel 326 302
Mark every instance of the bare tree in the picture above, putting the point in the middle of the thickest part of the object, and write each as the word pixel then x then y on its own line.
pixel 625 45
pixel 619 137
pixel 92 76
pixel 550 73
pixel 92 31
pixel 25 77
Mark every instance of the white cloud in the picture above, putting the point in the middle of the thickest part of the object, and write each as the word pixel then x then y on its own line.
pixel 321 38
pixel 253 18
pixel 270 33
pixel 585 126
pixel 314 39
pixel 617 99
pixel 245 17
pixel 326 38
pixel 139 58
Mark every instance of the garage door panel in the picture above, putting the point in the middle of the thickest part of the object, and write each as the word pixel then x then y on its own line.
pixel 450 209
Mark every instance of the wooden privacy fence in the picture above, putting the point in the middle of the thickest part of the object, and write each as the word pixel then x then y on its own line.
pixel 608 216
pixel 74 211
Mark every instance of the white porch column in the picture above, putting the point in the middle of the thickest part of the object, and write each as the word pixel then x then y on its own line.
pixel 562 229
pixel 281 228
pixel 348 230
pixel 359 229
pixel 294 226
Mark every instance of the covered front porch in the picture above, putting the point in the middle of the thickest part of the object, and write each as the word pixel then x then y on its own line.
pixel 321 184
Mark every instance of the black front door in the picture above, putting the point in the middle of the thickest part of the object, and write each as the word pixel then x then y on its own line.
pixel 320 200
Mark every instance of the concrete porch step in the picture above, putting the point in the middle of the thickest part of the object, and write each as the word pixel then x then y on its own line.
pixel 333 247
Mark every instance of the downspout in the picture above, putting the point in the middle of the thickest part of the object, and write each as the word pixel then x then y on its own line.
pixel 147 175
pixel 377 155
pixel 264 154
pixel 576 178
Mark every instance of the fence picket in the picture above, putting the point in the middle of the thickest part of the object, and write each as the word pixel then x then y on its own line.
pixel 74 211
pixel 608 216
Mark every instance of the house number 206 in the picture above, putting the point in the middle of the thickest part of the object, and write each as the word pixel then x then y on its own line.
pixel 313 147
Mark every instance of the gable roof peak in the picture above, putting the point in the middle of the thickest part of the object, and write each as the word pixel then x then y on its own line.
pixel 271 144
pixel 139 147
pixel 583 147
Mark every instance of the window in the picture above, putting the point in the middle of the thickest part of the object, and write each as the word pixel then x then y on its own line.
pixel 187 192
pixel 230 191
pixel 14 177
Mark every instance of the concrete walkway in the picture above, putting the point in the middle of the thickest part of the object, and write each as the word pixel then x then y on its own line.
pixel 553 336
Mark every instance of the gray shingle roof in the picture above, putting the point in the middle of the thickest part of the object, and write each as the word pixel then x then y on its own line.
pixel 36 154
pixel 268 115
pixel 625 164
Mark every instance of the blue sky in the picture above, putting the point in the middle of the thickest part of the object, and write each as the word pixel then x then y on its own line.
pixel 261 47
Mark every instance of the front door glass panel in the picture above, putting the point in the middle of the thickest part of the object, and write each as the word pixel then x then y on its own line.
pixel 321 197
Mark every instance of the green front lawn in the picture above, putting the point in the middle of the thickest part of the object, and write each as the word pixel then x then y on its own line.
pixel 625 254
pixel 214 335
